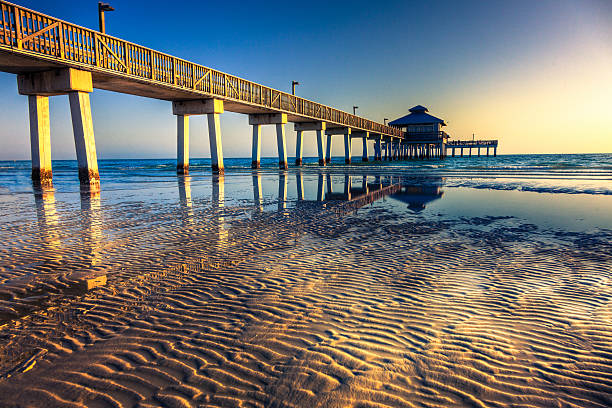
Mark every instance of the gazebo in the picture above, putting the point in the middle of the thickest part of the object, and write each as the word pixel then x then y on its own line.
pixel 423 132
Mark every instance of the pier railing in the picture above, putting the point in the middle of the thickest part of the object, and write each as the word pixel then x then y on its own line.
pixel 29 32
pixel 471 143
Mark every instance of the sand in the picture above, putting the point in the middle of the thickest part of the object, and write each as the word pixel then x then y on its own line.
pixel 211 305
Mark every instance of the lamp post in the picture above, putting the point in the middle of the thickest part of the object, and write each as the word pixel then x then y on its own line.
pixel 293 84
pixel 355 110
pixel 102 7
pixel 385 120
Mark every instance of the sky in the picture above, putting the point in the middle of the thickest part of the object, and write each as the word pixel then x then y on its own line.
pixel 537 75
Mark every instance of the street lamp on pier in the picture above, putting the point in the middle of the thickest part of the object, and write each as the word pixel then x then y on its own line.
pixel 293 84
pixel 355 110
pixel 385 120
pixel 102 7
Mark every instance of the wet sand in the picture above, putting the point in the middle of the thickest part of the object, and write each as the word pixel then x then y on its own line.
pixel 260 298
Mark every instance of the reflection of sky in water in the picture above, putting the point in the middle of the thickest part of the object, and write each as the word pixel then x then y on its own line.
pixel 428 198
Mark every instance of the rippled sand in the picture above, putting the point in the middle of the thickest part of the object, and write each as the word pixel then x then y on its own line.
pixel 316 304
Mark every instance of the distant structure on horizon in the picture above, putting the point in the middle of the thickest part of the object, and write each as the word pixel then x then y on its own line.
pixel 425 138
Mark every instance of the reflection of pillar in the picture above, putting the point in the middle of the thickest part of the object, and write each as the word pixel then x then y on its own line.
pixel 330 188
pixel 348 180
pixel 184 187
pixel 256 147
pixel 329 149
pixel 321 188
pixel 40 139
pixel 299 144
pixel 92 223
pixel 218 202
pixel 282 191
pixel 364 184
pixel 299 181
pixel 257 192
pixel 48 223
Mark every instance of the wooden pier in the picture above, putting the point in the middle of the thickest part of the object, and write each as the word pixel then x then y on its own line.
pixel 55 57
pixel 472 144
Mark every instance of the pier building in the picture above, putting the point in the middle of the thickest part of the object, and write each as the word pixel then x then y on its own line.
pixel 423 134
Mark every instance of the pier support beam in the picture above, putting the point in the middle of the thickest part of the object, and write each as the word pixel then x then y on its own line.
pixel 365 156
pixel 40 140
pixel 256 147
pixel 212 108
pixel 299 145
pixel 282 147
pixel 77 85
pixel 347 146
pixel 328 152
pixel 216 147
pixel 278 119
pixel 182 144
pixel 84 142
pixel 377 149
pixel 301 127
pixel 321 148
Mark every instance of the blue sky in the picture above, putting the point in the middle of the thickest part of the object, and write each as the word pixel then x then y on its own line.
pixel 530 73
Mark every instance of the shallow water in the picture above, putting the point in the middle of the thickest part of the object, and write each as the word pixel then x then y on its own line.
pixel 404 284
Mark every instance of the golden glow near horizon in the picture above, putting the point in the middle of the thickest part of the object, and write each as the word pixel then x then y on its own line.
pixel 558 101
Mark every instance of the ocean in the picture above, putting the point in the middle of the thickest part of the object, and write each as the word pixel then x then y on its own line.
pixel 482 281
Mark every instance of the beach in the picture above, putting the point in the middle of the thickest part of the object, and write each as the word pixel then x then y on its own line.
pixel 481 282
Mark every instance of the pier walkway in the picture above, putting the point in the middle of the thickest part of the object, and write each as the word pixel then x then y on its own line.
pixel 472 144
pixel 55 57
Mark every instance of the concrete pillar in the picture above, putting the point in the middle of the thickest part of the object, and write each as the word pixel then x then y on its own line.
pixel 329 149
pixel 495 151
pixel 212 108
pixel 298 148
pixel 256 147
pixel 282 148
pixel 321 147
pixel 470 152
pixel 487 151
pixel 40 140
pixel 378 149
pixel 216 147
pixel 347 146
pixel 462 152
pixel 478 151
pixel 453 151
pixel 365 154
pixel 182 144
pixel 82 125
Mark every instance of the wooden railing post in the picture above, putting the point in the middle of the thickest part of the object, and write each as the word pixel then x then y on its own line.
pixel 127 57
pixel 60 29
pixel 18 35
